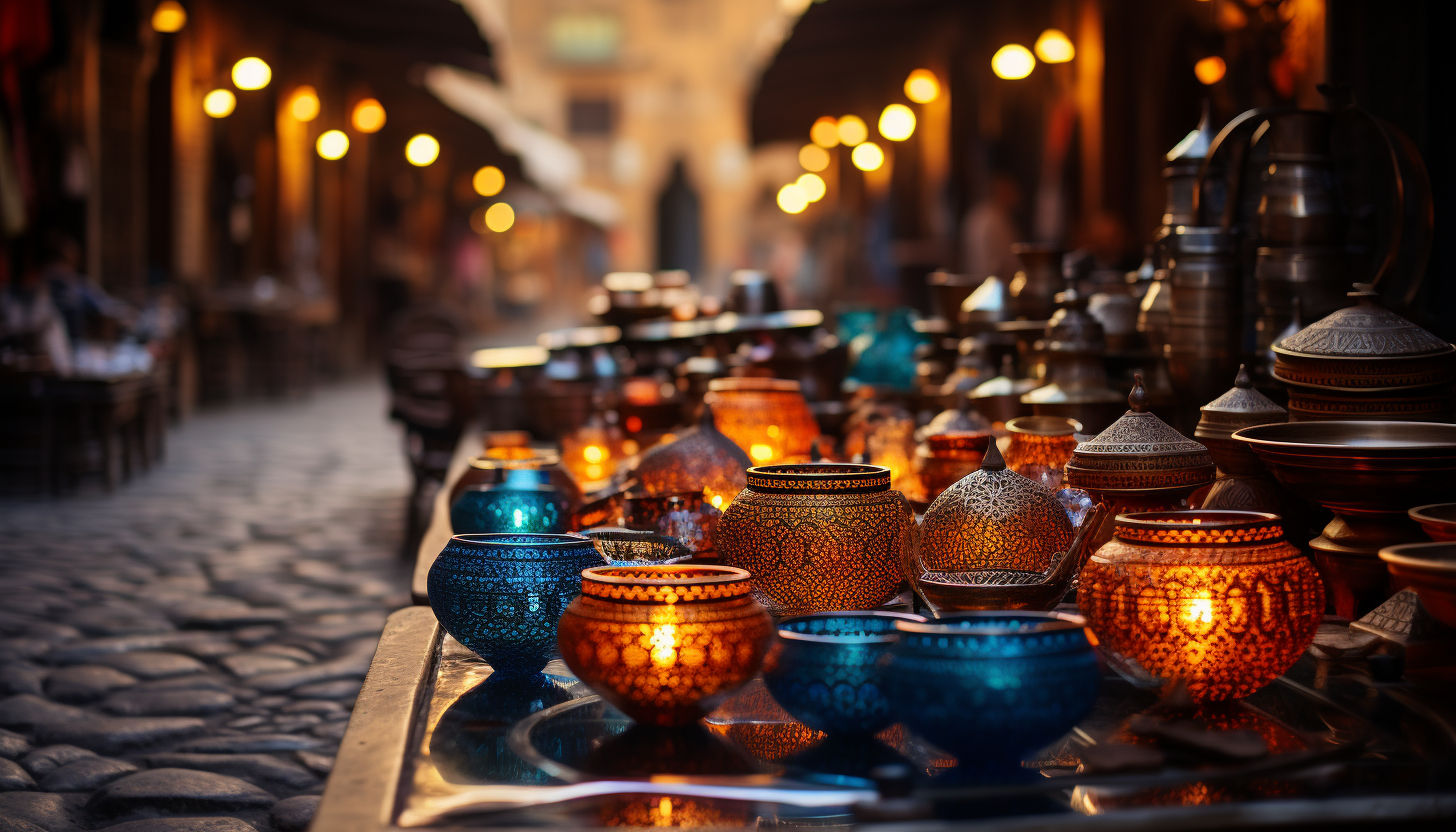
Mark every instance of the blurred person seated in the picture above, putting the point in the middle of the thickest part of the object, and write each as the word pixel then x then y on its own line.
pixel 32 333
pixel 80 300
pixel 990 230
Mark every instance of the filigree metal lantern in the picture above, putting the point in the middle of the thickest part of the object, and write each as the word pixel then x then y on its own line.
pixel 994 519
pixel 767 417
pixel 701 459
pixel 819 536
pixel 664 644
pixel 1217 600
pixel 1138 464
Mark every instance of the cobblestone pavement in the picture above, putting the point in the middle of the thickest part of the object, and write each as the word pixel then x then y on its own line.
pixel 190 645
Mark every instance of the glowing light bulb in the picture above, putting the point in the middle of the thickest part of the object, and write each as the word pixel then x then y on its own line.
pixel 852 130
pixel 717 501
pixel 1210 70
pixel 251 74
pixel 305 104
pixel 488 181
pixel 825 132
pixel 333 144
pixel 868 156
pixel 1012 61
pixel 922 86
pixel 368 116
pixel 813 189
pixel 219 103
pixel 422 150
pixel 897 122
pixel 792 198
pixel 500 217
pixel 814 158
pixel 1054 47
pixel 593 454
pixel 169 17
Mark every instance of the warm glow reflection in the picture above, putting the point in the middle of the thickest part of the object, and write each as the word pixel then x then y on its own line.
pixel 812 187
pixel 1012 61
pixel 825 131
pixel 1199 609
pixel 792 199
pixel 368 116
pixel 922 87
pixel 897 122
pixel 812 157
pixel 488 181
pixel 251 74
pixel 500 217
pixel 593 453
pixel 852 130
pixel 1210 70
pixel 219 103
pixel 663 645
pixel 422 150
pixel 1054 47
pixel 761 453
pixel 169 16
pixel 717 501
pixel 333 144
pixel 305 104
pixel 868 156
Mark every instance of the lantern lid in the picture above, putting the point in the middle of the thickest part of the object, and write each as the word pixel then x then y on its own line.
pixel 1365 330
pixel 1139 452
pixel 1242 398
pixel 1005 384
pixel 957 420
pixel 1140 433
pixel 994 518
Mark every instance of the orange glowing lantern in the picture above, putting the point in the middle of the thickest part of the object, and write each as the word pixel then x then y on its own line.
pixel 766 417
pixel 1217 600
pixel 587 453
pixel 1041 447
pixel 701 459
pixel 665 644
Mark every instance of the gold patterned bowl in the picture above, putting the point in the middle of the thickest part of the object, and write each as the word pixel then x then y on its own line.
pixel 819 536
pixel 664 644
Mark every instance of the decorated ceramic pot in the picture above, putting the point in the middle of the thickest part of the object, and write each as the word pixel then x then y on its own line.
pixel 501 594
pixel 701 460
pixel 827 669
pixel 1216 600
pixel 664 644
pixel 991 687
pixel 819 536
pixel 767 417
pixel 522 503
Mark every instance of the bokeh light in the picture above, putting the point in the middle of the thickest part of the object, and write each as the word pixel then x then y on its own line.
pixel 792 198
pixel 897 122
pixel 422 150
pixel 825 131
pixel 500 217
pixel 219 103
pixel 1013 61
pixel 168 17
pixel 488 181
pixel 305 104
pixel 1210 70
pixel 333 144
pixel 251 74
pixel 922 86
pixel 814 158
pixel 868 156
pixel 852 130
pixel 368 116
pixel 1054 47
pixel 812 186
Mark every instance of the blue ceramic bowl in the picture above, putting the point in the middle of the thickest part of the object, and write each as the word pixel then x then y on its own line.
pixel 501 594
pixel 825 669
pixel 511 509
pixel 991 687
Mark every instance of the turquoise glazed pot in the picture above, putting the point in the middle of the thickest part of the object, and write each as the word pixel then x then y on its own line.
pixel 522 503
pixel 827 670
pixel 992 687
pixel 501 594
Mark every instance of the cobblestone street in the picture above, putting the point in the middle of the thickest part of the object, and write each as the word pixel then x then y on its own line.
pixel 190 645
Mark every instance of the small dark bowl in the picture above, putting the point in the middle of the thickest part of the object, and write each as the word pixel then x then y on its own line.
pixel 1437 519
pixel 1429 569
pixel 826 669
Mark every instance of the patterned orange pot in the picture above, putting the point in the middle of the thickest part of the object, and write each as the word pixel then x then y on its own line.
pixel 1217 600
pixel 819 536
pixel 665 644
pixel 767 417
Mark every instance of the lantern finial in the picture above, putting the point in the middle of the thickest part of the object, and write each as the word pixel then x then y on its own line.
pixel 993 461
pixel 1138 398
pixel 1242 380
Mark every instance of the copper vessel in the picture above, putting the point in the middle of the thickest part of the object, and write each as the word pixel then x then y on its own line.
pixel 1366 362
pixel 1033 290
pixel 944 458
pixel 1430 569
pixel 701 459
pixel 1073 348
pixel 1204 291
pixel 1240 407
pixel 1368 474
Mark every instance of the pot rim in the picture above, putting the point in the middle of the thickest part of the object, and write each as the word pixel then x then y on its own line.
pixel 756 384
pixel 536 459
pixel 1218 527
pixel 1423 514
pixel 695 583
pixel 1052 622
pixel 886 637
pixel 549 542
pixel 1251 436
pixel 1409 556
pixel 819 478
pixel 1045 425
